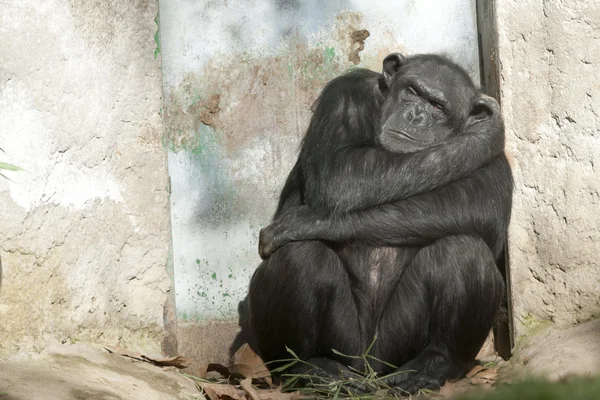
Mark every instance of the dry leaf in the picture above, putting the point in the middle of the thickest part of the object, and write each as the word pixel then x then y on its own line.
pixel 178 361
pixel 456 388
pixel 124 352
pixel 474 371
pixel 247 363
pixel 477 381
pixel 481 383
pixel 210 393
pixel 277 394
pixel 216 391
pixel 247 386
pixel 447 390
pixel 265 395
pixel 202 371
pixel 222 370
pixel 491 374
pixel 484 377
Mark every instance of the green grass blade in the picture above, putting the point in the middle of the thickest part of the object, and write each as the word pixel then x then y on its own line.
pixel 281 360
pixel 371 345
pixel 9 167
pixel 381 361
pixel 292 353
pixel 334 351
pixel 284 367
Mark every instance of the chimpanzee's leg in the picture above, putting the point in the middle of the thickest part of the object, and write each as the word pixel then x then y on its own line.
pixel 301 297
pixel 452 290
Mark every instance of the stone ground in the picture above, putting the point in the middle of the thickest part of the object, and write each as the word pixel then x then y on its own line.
pixel 85 371
pixel 88 372
pixel 557 353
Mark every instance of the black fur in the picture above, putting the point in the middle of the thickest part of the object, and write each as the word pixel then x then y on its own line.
pixel 390 223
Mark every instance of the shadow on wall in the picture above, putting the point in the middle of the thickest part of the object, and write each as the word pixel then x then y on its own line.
pixel 244 335
pixel 314 14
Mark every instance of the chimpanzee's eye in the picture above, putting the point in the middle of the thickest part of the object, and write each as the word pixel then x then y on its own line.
pixel 438 107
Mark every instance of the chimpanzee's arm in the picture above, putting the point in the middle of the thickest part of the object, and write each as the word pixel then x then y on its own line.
pixel 479 204
pixel 343 169
pixel 360 178
pixel 291 195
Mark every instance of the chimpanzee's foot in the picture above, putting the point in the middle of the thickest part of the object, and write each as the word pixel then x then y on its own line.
pixel 322 370
pixel 429 370
pixel 411 382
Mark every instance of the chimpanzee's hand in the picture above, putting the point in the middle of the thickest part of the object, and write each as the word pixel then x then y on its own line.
pixel 271 238
pixel 291 226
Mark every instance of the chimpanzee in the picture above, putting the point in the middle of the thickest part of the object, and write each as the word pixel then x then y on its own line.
pixel 389 225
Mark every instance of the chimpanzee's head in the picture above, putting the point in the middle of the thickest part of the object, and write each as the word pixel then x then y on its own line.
pixel 428 99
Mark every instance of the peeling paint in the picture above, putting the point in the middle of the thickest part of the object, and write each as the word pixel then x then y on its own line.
pixel 157 36
pixel 231 95
pixel 358 37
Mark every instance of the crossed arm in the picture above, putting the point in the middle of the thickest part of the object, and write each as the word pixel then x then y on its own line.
pixel 340 180
pixel 478 204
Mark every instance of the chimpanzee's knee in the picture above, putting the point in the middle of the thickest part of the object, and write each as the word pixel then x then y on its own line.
pixel 463 264
pixel 467 290
pixel 287 294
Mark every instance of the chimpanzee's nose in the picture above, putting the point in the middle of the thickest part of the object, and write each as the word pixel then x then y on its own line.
pixel 414 115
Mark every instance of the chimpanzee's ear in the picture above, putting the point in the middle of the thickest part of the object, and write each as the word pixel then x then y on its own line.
pixel 391 64
pixel 483 108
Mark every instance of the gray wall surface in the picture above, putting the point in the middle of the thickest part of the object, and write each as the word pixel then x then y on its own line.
pixel 550 83
pixel 85 232
pixel 239 79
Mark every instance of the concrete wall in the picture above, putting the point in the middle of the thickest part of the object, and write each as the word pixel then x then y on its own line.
pixel 239 79
pixel 550 82
pixel 85 232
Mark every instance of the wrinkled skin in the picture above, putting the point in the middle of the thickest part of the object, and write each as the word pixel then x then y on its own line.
pixel 421 113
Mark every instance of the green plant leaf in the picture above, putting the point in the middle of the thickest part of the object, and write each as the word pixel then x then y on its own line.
pixel 381 361
pixel 9 167
pixel 292 353
pixel 284 367
pixel 339 353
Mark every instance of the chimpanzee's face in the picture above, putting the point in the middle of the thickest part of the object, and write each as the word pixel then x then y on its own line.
pixel 427 101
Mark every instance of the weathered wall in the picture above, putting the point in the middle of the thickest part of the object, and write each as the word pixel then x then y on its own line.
pixel 550 84
pixel 85 230
pixel 239 80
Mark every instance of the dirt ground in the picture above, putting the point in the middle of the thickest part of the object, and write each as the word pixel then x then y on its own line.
pixel 87 371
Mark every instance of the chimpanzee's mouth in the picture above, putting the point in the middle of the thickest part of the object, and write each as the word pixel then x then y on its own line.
pixel 402 134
